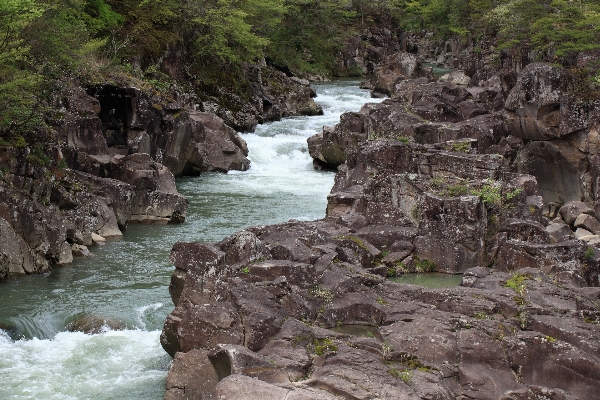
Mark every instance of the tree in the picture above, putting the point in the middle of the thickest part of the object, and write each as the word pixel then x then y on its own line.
pixel 150 28
pixel 311 34
pixel 18 81
pixel 568 28
pixel 224 35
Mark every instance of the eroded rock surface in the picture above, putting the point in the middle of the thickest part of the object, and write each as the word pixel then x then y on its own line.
pixel 275 328
pixel 269 304
pixel 50 215
pixel 431 178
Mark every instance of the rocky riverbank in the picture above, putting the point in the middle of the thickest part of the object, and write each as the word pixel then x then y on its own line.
pixel 110 155
pixel 441 176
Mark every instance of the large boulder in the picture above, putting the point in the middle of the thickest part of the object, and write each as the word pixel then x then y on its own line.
pixel 541 105
pixel 421 111
pixel 399 67
pixel 155 197
pixel 15 255
pixel 93 324
pixel 201 142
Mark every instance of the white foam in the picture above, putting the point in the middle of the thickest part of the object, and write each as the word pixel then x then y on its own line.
pixel 131 364
pixel 73 365
pixel 140 311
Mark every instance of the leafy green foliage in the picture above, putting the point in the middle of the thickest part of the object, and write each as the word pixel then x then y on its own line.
pixel 58 52
pixel 322 346
pixel 589 253
pixel 553 28
pixel 42 41
pixel 461 146
pixel 38 157
pixel 19 80
pixel 490 194
pixel 224 33
pixel 517 283
pixel 424 265
pixel 311 34
pixel 405 375
pixel 100 18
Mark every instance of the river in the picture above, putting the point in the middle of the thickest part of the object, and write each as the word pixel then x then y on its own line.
pixel 127 279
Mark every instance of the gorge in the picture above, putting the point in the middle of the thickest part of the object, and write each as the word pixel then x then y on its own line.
pixel 281 184
pixel 181 216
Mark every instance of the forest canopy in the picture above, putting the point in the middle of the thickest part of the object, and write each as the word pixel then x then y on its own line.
pixel 42 40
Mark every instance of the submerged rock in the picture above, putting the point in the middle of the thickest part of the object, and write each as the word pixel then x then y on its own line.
pixel 93 324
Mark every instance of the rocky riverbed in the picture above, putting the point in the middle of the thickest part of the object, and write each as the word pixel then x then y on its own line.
pixel 111 157
pixel 441 176
pixel 126 280
pixel 489 172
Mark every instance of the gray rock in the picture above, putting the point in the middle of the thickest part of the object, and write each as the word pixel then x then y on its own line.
pixel 580 232
pixel 587 222
pixel 570 211
pixel 457 77
pixel 98 239
pixel 66 254
pixel 191 376
pixel 202 142
pixel 559 232
pixel 245 388
pixel 16 257
pixel 539 107
pixel 80 250
pixel 92 324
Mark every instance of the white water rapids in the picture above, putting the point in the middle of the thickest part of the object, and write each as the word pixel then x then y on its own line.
pixel 128 279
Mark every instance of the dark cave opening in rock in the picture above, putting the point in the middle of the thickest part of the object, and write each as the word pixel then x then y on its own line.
pixel 116 112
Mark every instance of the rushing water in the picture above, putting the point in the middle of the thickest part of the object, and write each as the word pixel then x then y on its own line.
pixel 127 279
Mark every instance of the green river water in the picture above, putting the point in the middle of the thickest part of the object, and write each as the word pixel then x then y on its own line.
pixel 127 279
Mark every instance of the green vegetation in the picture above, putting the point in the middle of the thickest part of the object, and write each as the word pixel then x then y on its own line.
pixel 384 252
pixel 405 375
pixel 38 157
pixel 517 283
pixel 354 239
pixel 550 339
pixel 496 198
pixel 553 28
pixel 490 194
pixel 589 253
pixel 462 146
pixel 95 41
pixel 424 265
pixel 382 301
pixel 322 293
pixel 522 316
pixel 481 315
pixel 405 365
pixel 514 193
pixel 322 346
